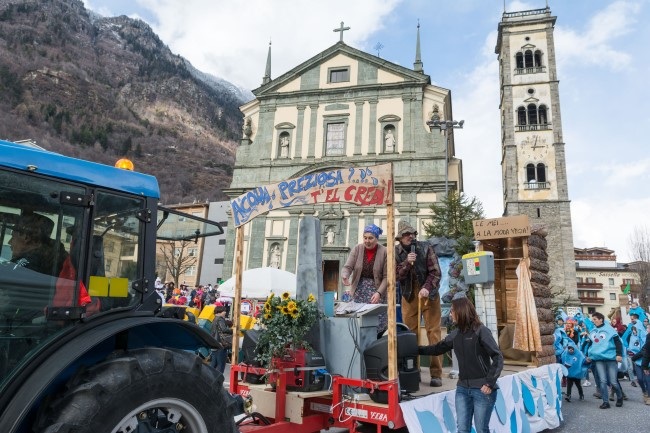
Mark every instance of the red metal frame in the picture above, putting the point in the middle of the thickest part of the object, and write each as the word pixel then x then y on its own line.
pixel 312 420
pixel 347 412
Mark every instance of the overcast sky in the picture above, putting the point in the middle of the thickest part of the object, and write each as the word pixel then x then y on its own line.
pixel 602 55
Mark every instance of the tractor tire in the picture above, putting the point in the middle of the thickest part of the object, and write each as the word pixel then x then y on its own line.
pixel 143 390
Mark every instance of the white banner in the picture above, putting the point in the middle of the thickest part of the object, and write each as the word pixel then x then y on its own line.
pixel 529 401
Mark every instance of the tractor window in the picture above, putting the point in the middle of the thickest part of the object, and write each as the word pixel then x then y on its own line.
pixel 38 263
pixel 115 257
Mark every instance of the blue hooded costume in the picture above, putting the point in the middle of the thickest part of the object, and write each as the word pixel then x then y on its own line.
pixel 639 312
pixel 560 341
pixel 636 343
pixel 603 347
pixel 575 362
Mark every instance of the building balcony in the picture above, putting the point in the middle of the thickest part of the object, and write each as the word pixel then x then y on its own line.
pixel 591 301
pixel 597 286
pixel 537 185
pixel 540 127
pixel 533 70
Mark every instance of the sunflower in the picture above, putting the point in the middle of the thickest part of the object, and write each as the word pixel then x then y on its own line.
pixel 285 296
pixel 292 305
pixel 285 310
pixel 295 314
pixel 267 316
pixel 311 298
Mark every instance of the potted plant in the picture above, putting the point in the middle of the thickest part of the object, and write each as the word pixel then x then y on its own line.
pixel 285 321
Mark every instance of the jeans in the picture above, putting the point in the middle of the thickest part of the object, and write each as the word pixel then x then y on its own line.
pixel 472 402
pixel 608 375
pixel 642 378
pixel 218 359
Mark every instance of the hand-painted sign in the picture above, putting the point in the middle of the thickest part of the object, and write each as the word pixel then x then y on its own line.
pixel 363 186
pixel 506 227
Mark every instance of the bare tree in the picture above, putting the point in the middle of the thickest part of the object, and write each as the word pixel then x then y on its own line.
pixel 177 258
pixel 640 247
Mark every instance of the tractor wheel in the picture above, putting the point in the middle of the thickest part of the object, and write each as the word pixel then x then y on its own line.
pixel 144 390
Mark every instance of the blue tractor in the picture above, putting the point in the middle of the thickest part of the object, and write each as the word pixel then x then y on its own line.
pixel 83 344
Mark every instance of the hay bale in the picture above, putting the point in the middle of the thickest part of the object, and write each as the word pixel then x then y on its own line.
pixel 546 328
pixel 539 265
pixel 541 302
pixel 538 242
pixel 537 253
pixel 548 340
pixel 545 360
pixel 545 315
pixel 538 277
pixel 541 290
pixel 546 351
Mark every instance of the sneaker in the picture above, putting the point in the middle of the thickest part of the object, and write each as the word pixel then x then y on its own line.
pixel 619 403
pixel 604 406
pixel 597 394
pixel 586 383
pixel 646 400
pixel 568 398
pixel 624 396
pixel 633 383
pixel 582 396
pixel 612 395
pixel 435 381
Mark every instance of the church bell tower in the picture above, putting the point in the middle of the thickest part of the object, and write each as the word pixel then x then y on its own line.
pixel 532 147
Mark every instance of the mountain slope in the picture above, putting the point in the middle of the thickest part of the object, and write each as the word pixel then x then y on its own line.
pixel 104 88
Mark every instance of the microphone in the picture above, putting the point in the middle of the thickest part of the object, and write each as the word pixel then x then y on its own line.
pixel 412 250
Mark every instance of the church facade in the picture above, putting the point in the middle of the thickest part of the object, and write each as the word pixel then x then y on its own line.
pixel 342 108
pixel 533 156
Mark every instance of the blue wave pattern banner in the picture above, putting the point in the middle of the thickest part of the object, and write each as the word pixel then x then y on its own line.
pixel 526 402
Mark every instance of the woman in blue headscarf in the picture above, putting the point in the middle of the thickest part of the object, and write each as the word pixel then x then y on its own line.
pixel 365 272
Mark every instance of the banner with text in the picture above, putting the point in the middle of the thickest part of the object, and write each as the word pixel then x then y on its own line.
pixel 506 227
pixel 363 186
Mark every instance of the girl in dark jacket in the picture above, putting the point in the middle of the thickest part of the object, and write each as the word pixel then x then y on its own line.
pixel 479 363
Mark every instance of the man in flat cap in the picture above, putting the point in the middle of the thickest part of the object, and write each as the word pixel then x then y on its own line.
pixel 418 273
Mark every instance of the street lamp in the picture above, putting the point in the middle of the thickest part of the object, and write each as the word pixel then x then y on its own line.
pixel 443 125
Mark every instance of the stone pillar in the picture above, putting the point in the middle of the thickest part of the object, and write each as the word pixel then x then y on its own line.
pixel 312 130
pixel 358 127
pixel 372 130
pixel 353 237
pixel 292 243
pixel 299 128
pixel 256 243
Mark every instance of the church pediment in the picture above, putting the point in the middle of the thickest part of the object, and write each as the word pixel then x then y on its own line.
pixel 365 69
pixel 531 99
pixel 528 47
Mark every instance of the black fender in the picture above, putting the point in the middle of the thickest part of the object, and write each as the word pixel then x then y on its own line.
pixel 86 344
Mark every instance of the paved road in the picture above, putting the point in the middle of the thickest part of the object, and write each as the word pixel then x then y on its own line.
pixel 585 416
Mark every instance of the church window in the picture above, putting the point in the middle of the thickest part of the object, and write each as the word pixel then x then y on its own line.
pixel 532 118
pixel 532 114
pixel 528 59
pixel 521 116
pixel 519 61
pixel 529 62
pixel 543 120
pixel 339 75
pixel 335 139
pixel 536 176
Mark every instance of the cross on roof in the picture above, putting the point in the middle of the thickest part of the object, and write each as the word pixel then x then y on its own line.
pixel 342 29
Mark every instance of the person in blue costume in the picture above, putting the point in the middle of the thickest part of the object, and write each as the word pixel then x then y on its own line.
pixel 640 312
pixel 605 351
pixel 576 363
pixel 559 344
pixel 636 342
pixel 644 357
